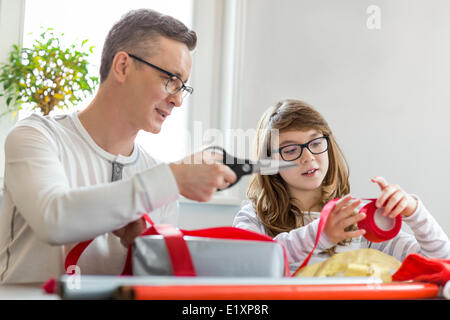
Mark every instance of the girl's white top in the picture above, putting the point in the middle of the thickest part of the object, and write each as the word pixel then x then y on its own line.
pixel 427 239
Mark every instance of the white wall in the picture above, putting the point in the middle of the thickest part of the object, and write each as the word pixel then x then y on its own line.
pixel 197 216
pixel 385 93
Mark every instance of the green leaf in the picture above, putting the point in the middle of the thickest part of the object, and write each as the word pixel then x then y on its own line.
pixel 46 67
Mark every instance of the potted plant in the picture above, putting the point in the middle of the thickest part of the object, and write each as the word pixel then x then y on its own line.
pixel 46 76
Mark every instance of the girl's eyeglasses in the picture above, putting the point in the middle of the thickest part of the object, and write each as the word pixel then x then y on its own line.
pixel 292 152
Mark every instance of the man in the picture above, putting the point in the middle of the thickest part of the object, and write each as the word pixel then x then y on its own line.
pixel 81 176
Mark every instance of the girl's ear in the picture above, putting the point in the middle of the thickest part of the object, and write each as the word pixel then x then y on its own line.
pixel 120 66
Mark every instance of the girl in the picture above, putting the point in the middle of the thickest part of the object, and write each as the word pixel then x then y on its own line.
pixel 286 206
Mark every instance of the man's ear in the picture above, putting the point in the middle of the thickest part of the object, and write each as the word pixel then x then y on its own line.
pixel 120 66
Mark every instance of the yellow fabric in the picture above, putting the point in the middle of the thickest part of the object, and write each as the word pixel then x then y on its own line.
pixel 354 263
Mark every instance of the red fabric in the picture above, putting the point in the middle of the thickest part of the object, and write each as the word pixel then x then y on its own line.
pixel 419 268
pixel 50 286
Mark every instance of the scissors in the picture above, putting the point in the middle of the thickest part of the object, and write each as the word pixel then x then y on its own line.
pixel 243 167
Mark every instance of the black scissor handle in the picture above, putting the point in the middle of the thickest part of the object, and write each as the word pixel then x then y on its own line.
pixel 241 167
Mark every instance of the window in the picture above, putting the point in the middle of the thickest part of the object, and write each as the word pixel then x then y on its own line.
pixel 215 75
pixel 87 19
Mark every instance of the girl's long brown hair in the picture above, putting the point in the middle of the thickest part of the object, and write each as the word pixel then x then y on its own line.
pixel 269 193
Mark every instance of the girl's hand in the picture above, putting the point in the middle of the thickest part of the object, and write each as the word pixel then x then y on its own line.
pixel 394 199
pixel 343 216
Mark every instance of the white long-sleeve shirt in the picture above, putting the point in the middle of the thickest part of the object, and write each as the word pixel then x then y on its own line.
pixel 428 239
pixel 58 191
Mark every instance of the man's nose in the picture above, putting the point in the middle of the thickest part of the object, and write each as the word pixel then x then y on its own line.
pixel 176 99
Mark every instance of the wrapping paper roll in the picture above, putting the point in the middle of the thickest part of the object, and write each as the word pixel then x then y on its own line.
pixel 446 290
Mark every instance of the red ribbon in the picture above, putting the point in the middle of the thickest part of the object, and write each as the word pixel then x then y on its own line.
pixel 181 259
pixel 177 248
pixel 373 232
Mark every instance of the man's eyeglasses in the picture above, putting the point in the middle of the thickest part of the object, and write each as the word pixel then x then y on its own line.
pixel 174 84
pixel 292 152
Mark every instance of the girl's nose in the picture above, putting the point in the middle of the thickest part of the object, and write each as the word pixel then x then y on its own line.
pixel 306 156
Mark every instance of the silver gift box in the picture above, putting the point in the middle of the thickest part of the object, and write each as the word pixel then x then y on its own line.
pixel 211 257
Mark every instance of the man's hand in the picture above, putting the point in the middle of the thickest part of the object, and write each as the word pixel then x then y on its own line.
pixel 199 176
pixel 128 233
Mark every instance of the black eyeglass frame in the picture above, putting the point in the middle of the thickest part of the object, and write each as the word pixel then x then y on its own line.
pixel 303 146
pixel 183 88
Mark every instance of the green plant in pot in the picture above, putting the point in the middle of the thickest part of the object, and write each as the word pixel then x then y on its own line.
pixel 46 76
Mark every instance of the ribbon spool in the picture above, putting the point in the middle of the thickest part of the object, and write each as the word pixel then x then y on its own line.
pixel 378 227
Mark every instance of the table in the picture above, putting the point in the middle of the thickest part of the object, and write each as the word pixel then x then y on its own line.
pixel 28 291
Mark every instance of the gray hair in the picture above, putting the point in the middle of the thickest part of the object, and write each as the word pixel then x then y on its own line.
pixel 138 31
